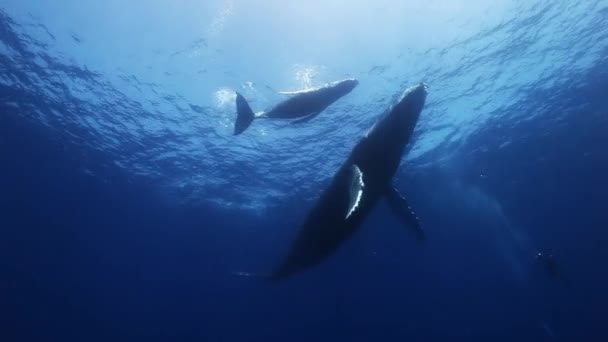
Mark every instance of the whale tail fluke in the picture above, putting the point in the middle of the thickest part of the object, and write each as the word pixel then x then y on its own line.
pixel 244 115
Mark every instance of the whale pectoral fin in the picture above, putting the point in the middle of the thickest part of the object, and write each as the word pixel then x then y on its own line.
pixel 356 190
pixel 305 119
pixel 402 209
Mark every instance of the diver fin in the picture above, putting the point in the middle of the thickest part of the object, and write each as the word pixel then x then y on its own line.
pixel 402 209
pixel 252 275
pixel 244 115
pixel 305 119
pixel 356 190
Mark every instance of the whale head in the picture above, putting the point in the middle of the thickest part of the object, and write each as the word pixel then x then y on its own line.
pixel 410 104
pixel 395 128
pixel 406 111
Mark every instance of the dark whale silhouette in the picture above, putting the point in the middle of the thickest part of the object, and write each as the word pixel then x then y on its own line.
pixel 303 105
pixel 361 181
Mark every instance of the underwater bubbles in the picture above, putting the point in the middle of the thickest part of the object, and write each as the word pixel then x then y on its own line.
pixel 305 74
pixel 218 23
pixel 224 97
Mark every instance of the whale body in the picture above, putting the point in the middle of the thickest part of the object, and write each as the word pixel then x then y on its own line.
pixel 303 105
pixel 362 180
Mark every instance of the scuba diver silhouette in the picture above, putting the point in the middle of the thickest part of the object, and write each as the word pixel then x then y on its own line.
pixel 549 262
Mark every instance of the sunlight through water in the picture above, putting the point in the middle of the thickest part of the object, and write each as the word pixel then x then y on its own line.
pixel 165 102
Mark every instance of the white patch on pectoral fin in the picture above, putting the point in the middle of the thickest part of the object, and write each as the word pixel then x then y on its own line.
pixel 356 190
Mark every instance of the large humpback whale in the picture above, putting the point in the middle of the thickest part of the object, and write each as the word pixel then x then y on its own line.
pixel 303 105
pixel 361 181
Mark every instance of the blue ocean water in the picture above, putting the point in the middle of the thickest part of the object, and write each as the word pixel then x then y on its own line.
pixel 126 204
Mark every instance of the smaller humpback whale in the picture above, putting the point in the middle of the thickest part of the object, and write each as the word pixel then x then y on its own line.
pixel 303 105
pixel 363 179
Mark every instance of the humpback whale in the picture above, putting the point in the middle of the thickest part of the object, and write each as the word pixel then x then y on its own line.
pixel 302 105
pixel 363 179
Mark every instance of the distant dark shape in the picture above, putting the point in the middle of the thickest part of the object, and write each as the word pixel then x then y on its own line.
pixel 548 261
pixel 197 108
pixel 200 43
pixel 303 105
pixel 377 69
pixel 363 179
pixel 76 38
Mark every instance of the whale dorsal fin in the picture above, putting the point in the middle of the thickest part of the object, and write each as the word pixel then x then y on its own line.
pixel 402 209
pixel 356 190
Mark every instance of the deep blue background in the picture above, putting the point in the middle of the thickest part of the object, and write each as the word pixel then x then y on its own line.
pixel 86 259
